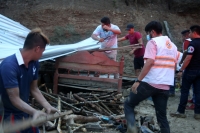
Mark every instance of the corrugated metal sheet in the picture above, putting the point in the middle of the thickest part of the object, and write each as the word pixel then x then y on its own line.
pixel 13 34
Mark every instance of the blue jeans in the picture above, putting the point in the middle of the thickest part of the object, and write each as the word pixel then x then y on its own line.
pixel 190 77
pixel 172 87
pixel 193 96
pixel 159 98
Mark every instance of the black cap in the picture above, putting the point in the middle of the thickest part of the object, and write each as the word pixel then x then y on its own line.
pixel 129 26
pixel 185 31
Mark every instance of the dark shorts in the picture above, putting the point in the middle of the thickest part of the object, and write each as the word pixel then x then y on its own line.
pixel 138 62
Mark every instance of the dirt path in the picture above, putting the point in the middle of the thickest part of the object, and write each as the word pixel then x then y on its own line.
pixel 182 125
pixel 177 125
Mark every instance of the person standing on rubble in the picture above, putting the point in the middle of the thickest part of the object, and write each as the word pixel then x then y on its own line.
pixel 186 41
pixel 106 34
pixel 135 38
pixel 18 78
pixel 191 74
pixel 155 78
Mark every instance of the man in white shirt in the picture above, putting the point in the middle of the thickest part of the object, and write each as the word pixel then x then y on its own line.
pixel 106 34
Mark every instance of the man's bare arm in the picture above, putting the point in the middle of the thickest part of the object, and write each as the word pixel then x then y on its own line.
pixel 40 98
pixel 140 41
pixel 13 94
pixel 183 57
pixel 186 62
pixel 121 39
pixel 115 31
pixel 95 37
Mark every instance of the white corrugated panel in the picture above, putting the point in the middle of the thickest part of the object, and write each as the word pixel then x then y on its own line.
pixel 13 34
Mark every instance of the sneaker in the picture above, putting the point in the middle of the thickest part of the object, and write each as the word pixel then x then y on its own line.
pixel 190 101
pixel 177 114
pixel 191 107
pixel 197 116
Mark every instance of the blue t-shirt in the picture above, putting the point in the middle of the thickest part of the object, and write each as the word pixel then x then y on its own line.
pixel 13 75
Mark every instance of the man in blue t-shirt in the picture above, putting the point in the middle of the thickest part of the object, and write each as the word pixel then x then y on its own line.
pixel 191 74
pixel 18 78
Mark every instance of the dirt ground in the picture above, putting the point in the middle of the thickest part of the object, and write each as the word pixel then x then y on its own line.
pixel 70 21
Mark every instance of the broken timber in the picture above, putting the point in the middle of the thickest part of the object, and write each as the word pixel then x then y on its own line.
pixel 21 125
pixel 69 68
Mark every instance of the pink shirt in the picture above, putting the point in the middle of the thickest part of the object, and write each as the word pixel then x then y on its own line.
pixel 150 52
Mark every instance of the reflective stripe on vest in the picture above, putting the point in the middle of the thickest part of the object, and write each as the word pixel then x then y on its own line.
pixel 164 62
pixel 165 58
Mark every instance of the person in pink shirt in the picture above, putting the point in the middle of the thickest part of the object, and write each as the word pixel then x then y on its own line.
pixel 135 37
pixel 155 78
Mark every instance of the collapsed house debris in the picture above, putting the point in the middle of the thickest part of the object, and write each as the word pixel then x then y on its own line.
pixel 82 111
pixel 78 69
pixel 13 34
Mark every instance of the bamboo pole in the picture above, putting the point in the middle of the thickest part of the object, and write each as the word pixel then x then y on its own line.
pixel 21 125
pixel 67 103
pixel 91 104
pixel 103 104
pixel 44 93
pixel 119 48
pixel 59 120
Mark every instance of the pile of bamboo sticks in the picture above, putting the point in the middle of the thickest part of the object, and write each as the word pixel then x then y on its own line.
pixel 86 107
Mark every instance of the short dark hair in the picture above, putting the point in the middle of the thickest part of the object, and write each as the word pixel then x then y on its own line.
pixel 36 38
pixel 195 28
pixel 185 31
pixel 154 25
pixel 105 20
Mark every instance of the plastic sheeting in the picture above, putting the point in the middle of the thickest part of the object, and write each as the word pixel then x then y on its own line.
pixel 13 34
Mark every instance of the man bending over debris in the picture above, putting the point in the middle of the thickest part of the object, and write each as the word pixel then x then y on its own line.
pixel 18 78
pixel 106 34
pixel 155 78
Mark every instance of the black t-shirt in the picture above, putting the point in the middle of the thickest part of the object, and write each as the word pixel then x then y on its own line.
pixel 194 49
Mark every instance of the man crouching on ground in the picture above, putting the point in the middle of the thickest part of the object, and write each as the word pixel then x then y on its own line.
pixel 18 78
pixel 155 78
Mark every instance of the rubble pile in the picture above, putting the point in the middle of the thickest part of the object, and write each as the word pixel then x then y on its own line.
pixel 91 111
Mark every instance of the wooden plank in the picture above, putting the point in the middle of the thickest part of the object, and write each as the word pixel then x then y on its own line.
pixel 89 67
pixel 95 62
pixel 129 76
pixel 87 83
pixel 86 88
pixel 88 78
pixel 84 57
